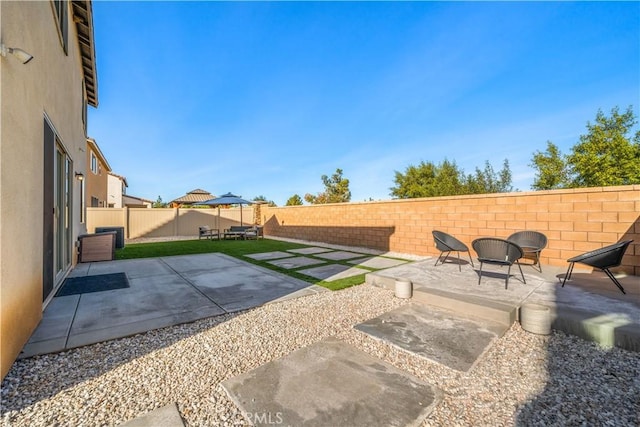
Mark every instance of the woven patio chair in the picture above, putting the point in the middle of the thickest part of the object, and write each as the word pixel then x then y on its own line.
pixel 602 259
pixel 496 251
pixel 446 243
pixel 532 243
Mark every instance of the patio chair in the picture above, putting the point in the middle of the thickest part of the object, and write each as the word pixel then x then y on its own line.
pixel 496 251
pixel 208 232
pixel 446 243
pixel 602 259
pixel 532 243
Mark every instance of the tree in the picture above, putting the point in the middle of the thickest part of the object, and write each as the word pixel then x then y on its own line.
pixel 336 190
pixel 488 181
pixel 294 200
pixel 552 169
pixel 447 179
pixel 159 203
pixel 264 199
pixel 607 155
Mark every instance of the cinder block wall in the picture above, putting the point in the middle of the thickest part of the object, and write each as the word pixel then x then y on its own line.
pixel 574 221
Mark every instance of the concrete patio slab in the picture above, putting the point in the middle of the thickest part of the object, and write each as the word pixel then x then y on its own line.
pixel 437 335
pixel 269 255
pixel 377 262
pixel 339 255
pixel 589 306
pixel 297 262
pixel 332 272
pixel 310 251
pixel 330 383
pixel 163 292
pixel 167 416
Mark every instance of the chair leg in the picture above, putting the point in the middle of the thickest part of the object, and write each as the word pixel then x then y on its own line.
pixel 459 262
pixel 472 264
pixel 480 277
pixel 538 261
pixel 612 277
pixel 438 259
pixel 568 274
pixel 523 279
pixel 506 282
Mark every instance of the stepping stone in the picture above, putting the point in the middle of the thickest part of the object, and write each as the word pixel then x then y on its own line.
pixel 333 272
pixel 269 255
pixel 377 262
pixel 310 251
pixel 440 336
pixel 296 262
pixel 339 255
pixel 330 383
pixel 167 416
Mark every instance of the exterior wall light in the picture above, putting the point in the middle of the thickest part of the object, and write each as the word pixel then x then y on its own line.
pixel 22 56
pixel 79 176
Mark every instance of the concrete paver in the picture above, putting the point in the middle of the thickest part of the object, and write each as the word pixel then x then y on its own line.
pixel 438 335
pixel 167 416
pixel 330 383
pixel 310 251
pixel 332 272
pixel 296 262
pixel 339 255
pixel 377 262
pixel 269 255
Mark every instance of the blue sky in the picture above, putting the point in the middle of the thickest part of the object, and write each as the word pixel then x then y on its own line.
pixel 262 98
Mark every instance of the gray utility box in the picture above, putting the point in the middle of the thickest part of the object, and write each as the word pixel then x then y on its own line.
pixel 119 234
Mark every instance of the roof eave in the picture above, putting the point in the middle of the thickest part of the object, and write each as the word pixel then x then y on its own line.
pixel 83 17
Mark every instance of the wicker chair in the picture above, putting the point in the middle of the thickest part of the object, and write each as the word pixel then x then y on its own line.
pixel 602 259
pixel 496 251
pixel 446 243
pixel 532 243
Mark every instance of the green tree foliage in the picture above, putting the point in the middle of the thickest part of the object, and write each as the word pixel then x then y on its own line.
pixel 159 203
pixel 552 169
pixel 606 155
pixel 264 199
pixel 294 200
pixel 447 179
pixel 488 181
pixel 336 190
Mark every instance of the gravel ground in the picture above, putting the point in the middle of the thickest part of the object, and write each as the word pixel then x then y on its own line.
pixel 523 379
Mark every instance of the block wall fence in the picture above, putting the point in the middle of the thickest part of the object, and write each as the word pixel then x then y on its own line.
pixel 574 221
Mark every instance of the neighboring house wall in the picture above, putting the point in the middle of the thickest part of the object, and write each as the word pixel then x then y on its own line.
pixel 116 188
pixel 97 184
pixel 37 238
pixel 575 221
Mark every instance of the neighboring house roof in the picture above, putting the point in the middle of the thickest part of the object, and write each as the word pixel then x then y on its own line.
pixel 132 199
pixel 194 196
pixel 83 17
pixel 94 147
pixel 120 177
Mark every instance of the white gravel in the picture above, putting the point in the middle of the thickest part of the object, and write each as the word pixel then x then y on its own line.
pixel 523 379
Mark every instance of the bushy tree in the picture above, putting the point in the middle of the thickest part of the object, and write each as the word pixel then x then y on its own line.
pixel 294 200
pixel 336 190
pixel 606 155
pixel 488 181
pixel 552 169
pixel 264 199
pixel 447 179
pixel 159 203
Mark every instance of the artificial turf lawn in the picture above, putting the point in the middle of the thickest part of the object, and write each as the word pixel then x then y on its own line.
pixel 235 248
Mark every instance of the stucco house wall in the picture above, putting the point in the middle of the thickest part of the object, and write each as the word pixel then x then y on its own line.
pixel 50 87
